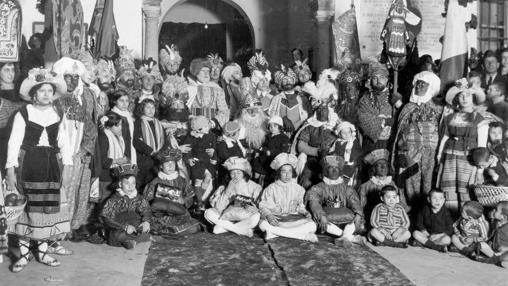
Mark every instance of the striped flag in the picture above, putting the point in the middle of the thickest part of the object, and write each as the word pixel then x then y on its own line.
pixel 454 52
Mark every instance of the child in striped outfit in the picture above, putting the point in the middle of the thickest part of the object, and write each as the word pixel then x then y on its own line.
pixel 470 229
pixel 389 220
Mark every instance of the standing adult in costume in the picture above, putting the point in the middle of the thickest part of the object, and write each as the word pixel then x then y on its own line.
pixel 126 75
pixel 206 98
pixel 10 102
pixel 290 104
pixel 79 130
pixel 150 81
pixel 217 63
pixel 33 167
pixel 314 139
pixel 375 113
pixel 106 75
pixel 170 61
pixel 348 96
pixel 464 130
pixel 417 136
pixel 231 76
pixel 260 78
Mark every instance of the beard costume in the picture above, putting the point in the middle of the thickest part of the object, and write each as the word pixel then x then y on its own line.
pixel 253 129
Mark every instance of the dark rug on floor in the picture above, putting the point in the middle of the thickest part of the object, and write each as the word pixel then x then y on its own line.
pixel 325 263
pixel 208 259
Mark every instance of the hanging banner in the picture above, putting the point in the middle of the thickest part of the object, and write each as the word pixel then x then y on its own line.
pixel 345 34
pixel 371 15
pixel 10 30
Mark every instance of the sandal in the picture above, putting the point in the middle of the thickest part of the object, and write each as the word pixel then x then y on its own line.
pixel 59 250
pixel 23 260
pixel 52 262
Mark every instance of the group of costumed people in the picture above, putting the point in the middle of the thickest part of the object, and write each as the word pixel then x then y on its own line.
pixel 105 151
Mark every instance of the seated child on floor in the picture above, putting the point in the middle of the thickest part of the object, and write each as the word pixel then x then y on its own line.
pixel 234 208
pixel 334 204
pixel 126 214
pixel 389 221
pixel 490 170
pixel 170 195
pixel 202 158
pixel 434 224
pixel 379 177
pixel 496 248
pixel 470 228
pixel 281 206
pixel 495 142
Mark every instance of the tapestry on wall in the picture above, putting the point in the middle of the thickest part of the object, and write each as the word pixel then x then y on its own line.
pixel 10 30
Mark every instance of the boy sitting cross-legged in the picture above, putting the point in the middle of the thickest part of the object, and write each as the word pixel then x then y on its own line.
pixel 389 220
pixel 434 224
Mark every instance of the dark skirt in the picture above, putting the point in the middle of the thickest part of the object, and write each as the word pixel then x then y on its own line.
pixel 40 177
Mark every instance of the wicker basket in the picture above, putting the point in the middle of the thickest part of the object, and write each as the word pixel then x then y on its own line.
pixel 13 212
pixel 490 196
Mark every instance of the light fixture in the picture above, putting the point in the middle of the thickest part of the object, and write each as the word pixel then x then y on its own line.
pixel 206 7
pixel 206 26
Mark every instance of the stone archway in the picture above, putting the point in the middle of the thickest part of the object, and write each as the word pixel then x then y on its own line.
pixel 199 28
pixel 154 12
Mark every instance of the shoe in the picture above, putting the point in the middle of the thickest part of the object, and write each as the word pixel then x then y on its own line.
pixel 129 244
pixel 416 243
pixel 50 261
pixel 58 249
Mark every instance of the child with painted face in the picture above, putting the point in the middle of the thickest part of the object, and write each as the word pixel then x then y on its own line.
pixel 389 221
pixel 470 229
pixel 126 214
pixel 496 249
pixel 333 204
pixel 434 224
pixel 234 207
pixel 282 210
pixel 379 178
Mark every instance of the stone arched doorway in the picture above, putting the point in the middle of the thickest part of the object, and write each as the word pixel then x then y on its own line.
pixel 201 27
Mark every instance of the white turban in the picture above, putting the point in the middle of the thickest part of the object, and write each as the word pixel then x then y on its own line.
pixel 67 65
pixel 258 75
pixel 228 71
pixel 434 87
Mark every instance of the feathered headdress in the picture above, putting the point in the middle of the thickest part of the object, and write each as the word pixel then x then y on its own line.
pixel 174 86
pixel 302 70
pixel 169 55
pixel 257 62
pixel 216 60
pixel 149 67
pixel 106 69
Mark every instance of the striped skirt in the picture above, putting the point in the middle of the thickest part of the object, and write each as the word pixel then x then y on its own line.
pixel 455 179
pixel 39 177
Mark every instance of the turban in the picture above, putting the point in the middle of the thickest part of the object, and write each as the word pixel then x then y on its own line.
pixel 149 67
pixel 229 70
pixel 237 163
pixel 284 159
pixel 378 69
pixel 433 90
pixel 285 76
pixel 67 65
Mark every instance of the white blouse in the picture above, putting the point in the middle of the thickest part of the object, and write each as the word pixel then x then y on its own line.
pixel 44 118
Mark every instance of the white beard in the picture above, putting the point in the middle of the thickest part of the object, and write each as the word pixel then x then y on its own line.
pixel 255 128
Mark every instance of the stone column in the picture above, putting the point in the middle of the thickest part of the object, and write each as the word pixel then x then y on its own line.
pixel 322 45
pixel 151 16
